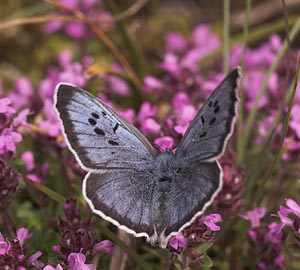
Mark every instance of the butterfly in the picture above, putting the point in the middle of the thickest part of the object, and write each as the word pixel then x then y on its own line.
pixel 130 183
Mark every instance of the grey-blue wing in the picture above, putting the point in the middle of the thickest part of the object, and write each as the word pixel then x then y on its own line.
pixel 98 137
pixel 122 197
pixel 206 137
pixel 195 189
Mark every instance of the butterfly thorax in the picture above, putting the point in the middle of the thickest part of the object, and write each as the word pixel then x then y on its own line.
pixel 167 166
pixel 165 176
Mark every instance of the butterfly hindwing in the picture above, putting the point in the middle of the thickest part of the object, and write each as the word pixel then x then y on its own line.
pixel 98 136
pixel 197 185
pixel 122 197
pixel 206 137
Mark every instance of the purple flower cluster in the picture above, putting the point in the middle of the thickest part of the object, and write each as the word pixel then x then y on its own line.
pixel 92 9
pixel 8 127
pixel 200 231
pixel 290 217
pixel 78 244
pixel 266 241
pixel 13 253
pixel 10 123
pixel 181 88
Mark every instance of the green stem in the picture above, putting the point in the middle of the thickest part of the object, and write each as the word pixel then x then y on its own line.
pixel 226 27
pixel 134 53
pixel 263 88
pixel 240 152
pixel 284 133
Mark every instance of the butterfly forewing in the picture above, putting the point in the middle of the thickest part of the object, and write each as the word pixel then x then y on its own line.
pixel 98 137
pixel 206 137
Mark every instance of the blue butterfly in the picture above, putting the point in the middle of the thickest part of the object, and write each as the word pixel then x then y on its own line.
pixel 129 182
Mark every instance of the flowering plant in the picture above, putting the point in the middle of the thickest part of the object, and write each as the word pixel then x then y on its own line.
pixel 253 223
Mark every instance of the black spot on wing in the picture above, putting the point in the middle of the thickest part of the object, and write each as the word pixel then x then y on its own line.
pixel 212 121
pixel 95 115
pixel 217 109
pixel 104 113
pixel 99 131
pixel 111 142
pixel 92 121
pixel 216 102
pixel 115 128
pixel 202 120
pixel 202 135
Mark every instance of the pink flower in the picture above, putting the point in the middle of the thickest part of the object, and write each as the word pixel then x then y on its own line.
pixel 170 64
pixel 252 235
pixel 175 42
pixel 203 37
pixel 184 117
pixel 283 215
pixel 4 246
pixel 50 267
pixel 8 138
pixel 21 119
pixel 210 221
pixel 279 261
pixel 77 262
pixel 76 29
pixel 22 94
pixel 151 83
pixel 56 249
pixel 65 58
pixel 28 159
pixel 5 107
pixel 150 126
pixel 105 246
pixel 179 100
pixel 146 111
pixel 252 83
pixel 128 115
pixel 165 142
pixel 73 73
pixel 293 206
pixel 274 234
pixel 34 178
pixel 51 123
pixel 178 241
pixel 32 260
pixel 295 120
pixel 117 85
pixel 22 235
pixel 254 216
